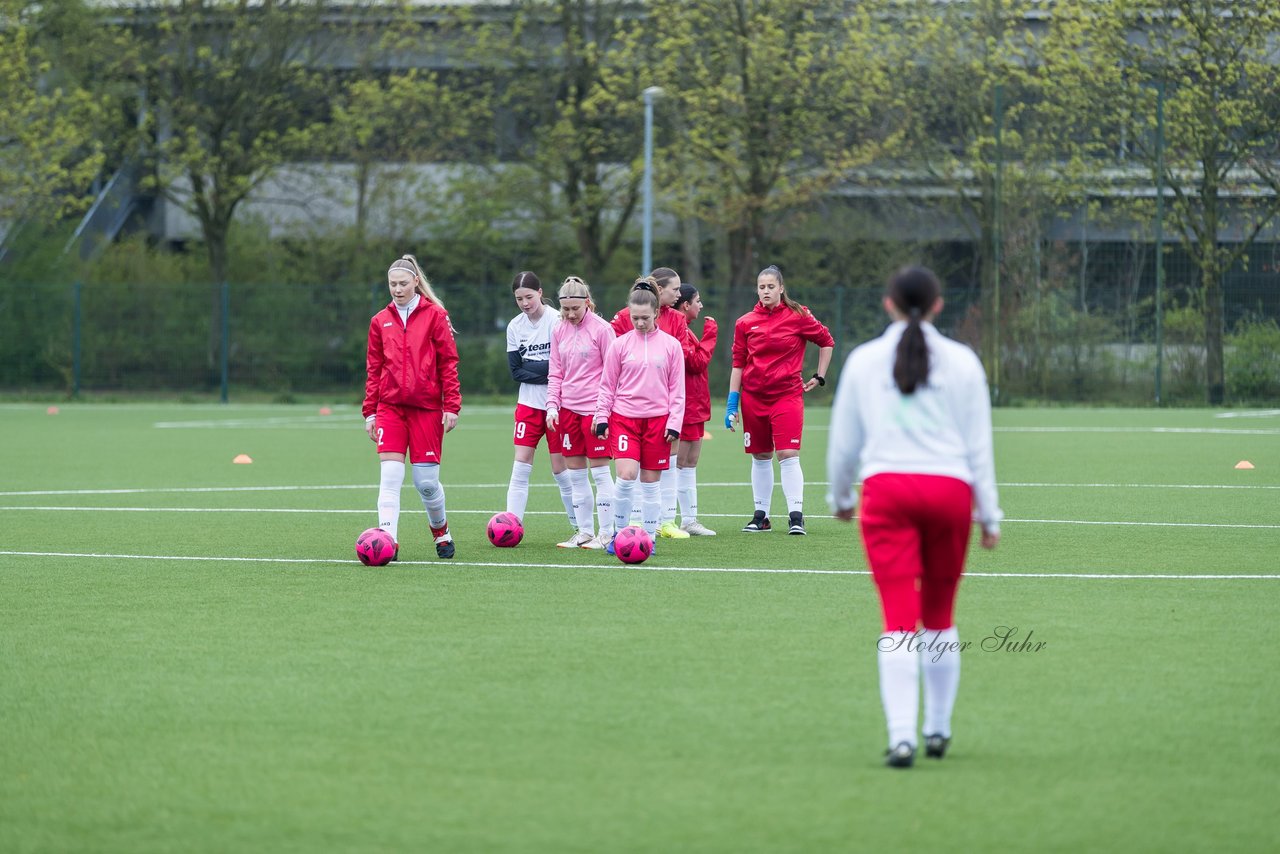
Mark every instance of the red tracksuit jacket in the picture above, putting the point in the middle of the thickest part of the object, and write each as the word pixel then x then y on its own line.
pixel 414 364
pixel 697 391
pixel 769 347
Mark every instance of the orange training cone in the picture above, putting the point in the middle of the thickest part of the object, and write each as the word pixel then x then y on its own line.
pixel 242 459
pixel 1244 464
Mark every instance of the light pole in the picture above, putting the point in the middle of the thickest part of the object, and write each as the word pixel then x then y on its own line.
pixel 646 260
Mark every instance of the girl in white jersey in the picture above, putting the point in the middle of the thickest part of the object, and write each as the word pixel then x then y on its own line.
pixel 578 348
pixel 912 415
pixel 528 358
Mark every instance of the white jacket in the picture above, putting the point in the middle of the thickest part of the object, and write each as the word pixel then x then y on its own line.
pixel 944 428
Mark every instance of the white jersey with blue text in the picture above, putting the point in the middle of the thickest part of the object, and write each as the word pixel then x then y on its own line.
pixel 533 342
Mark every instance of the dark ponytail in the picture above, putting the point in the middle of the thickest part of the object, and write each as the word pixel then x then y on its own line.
pixel 913 291
pixel 687 294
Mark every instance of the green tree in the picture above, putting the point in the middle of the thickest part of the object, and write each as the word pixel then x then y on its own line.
pixel 384 127
pixel 775 102
pixel 390 117
pixel 1219 64
pixel 567 92
pixel 50 150
pixel 1002 99
pixel 233 93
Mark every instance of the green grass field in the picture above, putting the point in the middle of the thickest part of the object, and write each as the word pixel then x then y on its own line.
pixel 191 659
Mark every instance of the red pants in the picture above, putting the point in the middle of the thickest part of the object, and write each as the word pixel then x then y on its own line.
pixel 915 528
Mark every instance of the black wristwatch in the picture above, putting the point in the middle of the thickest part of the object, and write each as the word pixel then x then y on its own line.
pixel 821 379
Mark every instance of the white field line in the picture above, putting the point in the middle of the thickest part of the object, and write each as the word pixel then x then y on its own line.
pixel 349 421
pixel 339 409
pixel 1139 485
pixel 441 564
pixel 65 407
pixel 701 485
pixel 1226 431
pixel 347 417
pixel 353 424
pixel 1250 413
pixel 322 512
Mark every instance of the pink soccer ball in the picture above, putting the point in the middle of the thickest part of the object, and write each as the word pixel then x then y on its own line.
pixel 632 545
pixel 375 547
pixel 505 530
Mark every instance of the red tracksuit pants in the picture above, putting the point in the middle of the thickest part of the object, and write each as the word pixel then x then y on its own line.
pixel 915 528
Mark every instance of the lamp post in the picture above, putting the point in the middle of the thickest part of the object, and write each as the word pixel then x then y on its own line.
pixel 646 260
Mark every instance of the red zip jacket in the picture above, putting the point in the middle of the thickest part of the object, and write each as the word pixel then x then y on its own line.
pixel 676 325
pixel 769 347
pixel 414 364
pixel 697 391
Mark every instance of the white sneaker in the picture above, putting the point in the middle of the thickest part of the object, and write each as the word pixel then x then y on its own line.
pixel 599 542
pixel 696 529
pixel 577 541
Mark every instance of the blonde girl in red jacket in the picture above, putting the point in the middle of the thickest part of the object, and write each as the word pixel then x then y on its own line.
pixel 768 356
pixel 411 396
pixel 697 409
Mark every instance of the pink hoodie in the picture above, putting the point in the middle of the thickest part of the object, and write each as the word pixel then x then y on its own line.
pixel 577 361
pixel 643 378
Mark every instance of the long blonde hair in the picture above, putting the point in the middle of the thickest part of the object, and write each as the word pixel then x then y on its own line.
pixel 410 265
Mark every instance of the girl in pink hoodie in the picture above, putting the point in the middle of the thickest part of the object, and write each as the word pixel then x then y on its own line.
pixel 640 407
pixel 578 347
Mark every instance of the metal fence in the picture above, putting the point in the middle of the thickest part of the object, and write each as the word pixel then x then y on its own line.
pixel 1081 329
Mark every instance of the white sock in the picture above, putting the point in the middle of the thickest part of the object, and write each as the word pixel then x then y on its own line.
pixel 389 496
pixel 792 484
pixel 604 498
pixel 940 660
pixel 762 483
pixel 687 490
pixel 668 484
pixel 426 477
pixel 622 495
pixel 900 685
pixel 583 501
pixel 565 482
pixel 518 489
pixel 651 506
